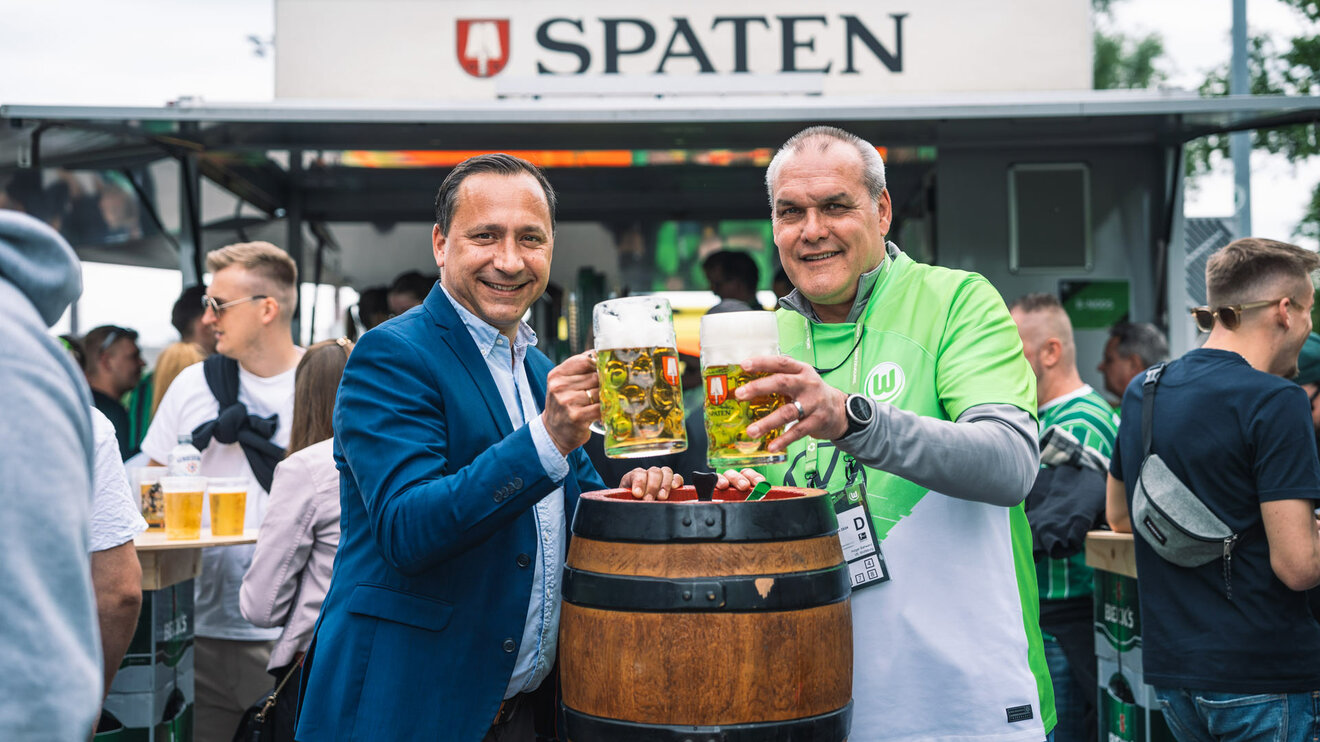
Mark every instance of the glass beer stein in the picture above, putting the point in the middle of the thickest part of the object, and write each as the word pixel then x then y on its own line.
pixel 641 397
pixel 727 340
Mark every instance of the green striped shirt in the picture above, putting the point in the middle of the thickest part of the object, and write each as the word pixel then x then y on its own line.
pixel 1089 419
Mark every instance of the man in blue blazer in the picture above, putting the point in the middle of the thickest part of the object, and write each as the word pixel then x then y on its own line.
pixel 460 465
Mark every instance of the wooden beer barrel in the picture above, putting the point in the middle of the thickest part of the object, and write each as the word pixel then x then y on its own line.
pixel 691 621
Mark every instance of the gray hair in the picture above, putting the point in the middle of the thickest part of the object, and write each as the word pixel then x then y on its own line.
pixel 1140 339
pixel 873 166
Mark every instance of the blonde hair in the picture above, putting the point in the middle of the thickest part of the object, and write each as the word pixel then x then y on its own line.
pixel 268 263
pixel 169 363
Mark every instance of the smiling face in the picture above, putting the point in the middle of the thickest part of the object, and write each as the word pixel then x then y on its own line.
pixel 495 261
pixel 828 230
pixel 239 330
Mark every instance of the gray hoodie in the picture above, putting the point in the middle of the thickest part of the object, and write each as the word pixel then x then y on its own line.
pixel 51 653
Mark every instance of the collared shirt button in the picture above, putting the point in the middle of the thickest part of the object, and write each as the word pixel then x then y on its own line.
pixel 524 560
pixel 510 645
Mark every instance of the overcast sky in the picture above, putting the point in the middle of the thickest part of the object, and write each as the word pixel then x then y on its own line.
pixel 147 52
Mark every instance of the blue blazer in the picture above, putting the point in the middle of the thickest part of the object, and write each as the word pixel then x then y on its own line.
pixel 419 632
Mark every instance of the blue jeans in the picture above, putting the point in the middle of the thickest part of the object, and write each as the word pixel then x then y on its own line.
pixel 1206 716
pixel 1071 702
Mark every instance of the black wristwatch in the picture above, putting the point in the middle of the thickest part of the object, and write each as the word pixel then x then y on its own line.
pixel 859 411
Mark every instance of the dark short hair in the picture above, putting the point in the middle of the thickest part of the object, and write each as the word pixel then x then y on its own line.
pixel 734 265
pixel 412 282
pixel 96 337
pixel 1028 303
pixel 1140 339
pixel 1238 271
pixel 446 199
pixel 187 308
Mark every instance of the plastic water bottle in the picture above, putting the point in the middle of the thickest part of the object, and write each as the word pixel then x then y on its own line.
pixel 185 460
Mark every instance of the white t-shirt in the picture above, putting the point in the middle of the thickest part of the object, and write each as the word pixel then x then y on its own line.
pixel 187 404
pixel 116 512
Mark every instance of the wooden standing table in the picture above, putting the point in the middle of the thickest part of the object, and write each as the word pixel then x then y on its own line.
pixel 166 562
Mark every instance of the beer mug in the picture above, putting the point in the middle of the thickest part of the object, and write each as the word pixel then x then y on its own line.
pixel 727 340
pixel 641 396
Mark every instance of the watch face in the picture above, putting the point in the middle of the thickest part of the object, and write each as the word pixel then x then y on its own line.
pixel 859 408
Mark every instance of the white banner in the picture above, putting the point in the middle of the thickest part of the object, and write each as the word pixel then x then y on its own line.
pixel 429 50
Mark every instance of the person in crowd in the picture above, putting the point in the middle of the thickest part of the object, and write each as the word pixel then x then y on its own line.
pixel 196 341
pixel 733 276
pixel 169 364
pixel 1065 584
pixel 1231 647
pixel 1308 376
pixel 249 306
pixel 909 378
pixel 781 285
pixel 113 364
pixel 1132 347
pixel 290 570
pixel 371 309
pixel 116 571
pixel 408 290
pixel 52 684
pixel 458 448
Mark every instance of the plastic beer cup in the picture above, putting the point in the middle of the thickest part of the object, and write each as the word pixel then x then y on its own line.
pixel 183 506
pixel 228 496
pixel 727 340
pixel 641 394
pixel 146 481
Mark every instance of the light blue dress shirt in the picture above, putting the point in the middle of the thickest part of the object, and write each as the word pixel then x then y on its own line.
pixel 536 651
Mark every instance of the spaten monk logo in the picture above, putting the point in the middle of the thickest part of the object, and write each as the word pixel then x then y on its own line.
pixel 717 389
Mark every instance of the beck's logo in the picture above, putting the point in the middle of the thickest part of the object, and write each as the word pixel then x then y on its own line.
pixel 884 383
pixel 483 45
pixel 717 389
pixel 671 370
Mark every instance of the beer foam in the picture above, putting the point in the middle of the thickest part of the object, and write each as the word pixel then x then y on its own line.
pixel 632 327
pixel 731 337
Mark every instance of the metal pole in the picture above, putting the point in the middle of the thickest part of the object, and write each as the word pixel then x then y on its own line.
pixel 189 214
pixel 1239 142
pixel 295 238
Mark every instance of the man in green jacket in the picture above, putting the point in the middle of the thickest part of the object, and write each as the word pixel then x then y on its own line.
pixel 909 382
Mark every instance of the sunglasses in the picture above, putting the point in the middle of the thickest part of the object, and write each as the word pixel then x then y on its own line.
pixel 114 334
pixel 211 304
pixel 1230 315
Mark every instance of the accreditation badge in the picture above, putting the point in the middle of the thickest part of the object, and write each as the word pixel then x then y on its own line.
pixel 861 547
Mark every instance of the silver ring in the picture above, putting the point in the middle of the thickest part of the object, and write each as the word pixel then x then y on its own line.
pixel 588 393
pixel 801 412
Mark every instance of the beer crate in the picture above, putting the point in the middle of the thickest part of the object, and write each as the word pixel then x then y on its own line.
pixel 1117 616
pixel 164 714
pixel 1127 709
pixel 162 644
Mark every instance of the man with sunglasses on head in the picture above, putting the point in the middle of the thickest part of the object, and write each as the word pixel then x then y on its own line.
pixel 113 365
pixel 1231 647
pixel 249 305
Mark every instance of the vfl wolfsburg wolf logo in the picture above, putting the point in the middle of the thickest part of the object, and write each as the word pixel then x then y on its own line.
pixel 884 383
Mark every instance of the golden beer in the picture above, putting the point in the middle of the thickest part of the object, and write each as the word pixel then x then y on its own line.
pixel 641 401
pixel 183 506
pixel 641 394
pixel 727 419
pixel 152 499
pixel 726 341
pixel 228 505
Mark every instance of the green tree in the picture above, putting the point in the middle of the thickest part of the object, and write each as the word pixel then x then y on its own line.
pixel 1274 70
pixel 1123 61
